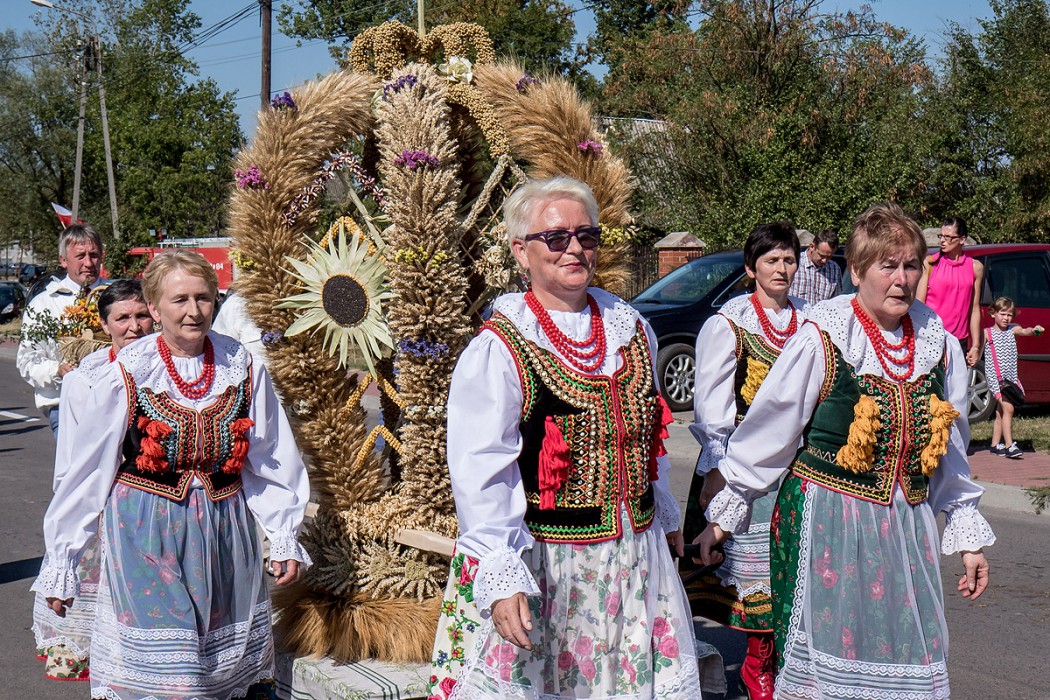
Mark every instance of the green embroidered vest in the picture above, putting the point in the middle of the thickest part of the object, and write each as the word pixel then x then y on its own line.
pixel 754 357
pixel 607 424
pixel 896 447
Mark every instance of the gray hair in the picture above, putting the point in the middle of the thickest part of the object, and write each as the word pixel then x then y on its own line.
pixel 78 233
pixel 520 205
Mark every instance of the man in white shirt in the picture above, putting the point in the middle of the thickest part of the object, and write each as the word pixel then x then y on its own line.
pixel 40 363
pixel 818 278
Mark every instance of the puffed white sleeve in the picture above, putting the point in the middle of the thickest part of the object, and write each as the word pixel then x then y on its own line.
pixel 668 513
pixel 714 402
pixel 38 364
pixel 484 411
pixel 762 448
pixel 274 479
pixel 951 488
pixel 72 517
pixel 71 405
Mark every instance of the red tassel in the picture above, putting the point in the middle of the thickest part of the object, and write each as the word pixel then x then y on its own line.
pixel 238 428
pixel 554 463
pixel 151 458
pixel 657 449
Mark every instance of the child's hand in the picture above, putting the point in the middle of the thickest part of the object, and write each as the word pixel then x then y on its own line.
pixel 1038 330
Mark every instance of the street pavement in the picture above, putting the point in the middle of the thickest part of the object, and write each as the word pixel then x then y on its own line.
pixel 997 643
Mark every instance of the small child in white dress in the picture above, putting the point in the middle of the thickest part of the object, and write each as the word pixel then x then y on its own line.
pixel 1001 347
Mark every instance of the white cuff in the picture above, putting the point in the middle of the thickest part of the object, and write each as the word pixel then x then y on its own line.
pixel 668 513
pixel 965 530
pixel 284 546
pixel 730 511
pixel 712 452
pixel 57 581
pixel 500 575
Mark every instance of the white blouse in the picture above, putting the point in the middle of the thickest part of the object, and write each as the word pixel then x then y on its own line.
pixel 484 412
pixel 274 479
pixel 714 397
pixel 764 445
pixel 76 388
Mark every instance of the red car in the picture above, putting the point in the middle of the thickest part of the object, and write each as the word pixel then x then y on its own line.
pixel 1020 271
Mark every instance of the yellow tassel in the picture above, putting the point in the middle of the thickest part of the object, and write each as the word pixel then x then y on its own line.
pixel 942 415
pixel 858 454
pixel 756 374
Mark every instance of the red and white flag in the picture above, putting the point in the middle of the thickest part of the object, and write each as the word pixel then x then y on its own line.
pixel 64 215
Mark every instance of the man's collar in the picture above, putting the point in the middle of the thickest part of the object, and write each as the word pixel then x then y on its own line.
pixel 68 284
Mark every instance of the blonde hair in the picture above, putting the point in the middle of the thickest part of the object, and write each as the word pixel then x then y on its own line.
pixel 1000 304
pixel 519 206
pixel 878 233
pixel 167 262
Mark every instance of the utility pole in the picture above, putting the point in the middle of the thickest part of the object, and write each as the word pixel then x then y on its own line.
pixel 105 139
pixel 419 14
pixel 82 78
pixel 265 8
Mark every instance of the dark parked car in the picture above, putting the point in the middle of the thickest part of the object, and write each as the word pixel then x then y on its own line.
pixel 30 274
pixel 12 300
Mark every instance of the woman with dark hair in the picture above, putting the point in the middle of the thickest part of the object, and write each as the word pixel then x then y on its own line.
pixel 951 286
pixel 63 643
pixel 734 351
pixel 875 390
pixel 182 449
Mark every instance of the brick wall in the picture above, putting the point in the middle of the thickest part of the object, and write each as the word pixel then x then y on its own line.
pixel 673 258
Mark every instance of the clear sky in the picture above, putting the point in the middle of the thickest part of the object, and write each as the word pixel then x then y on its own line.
pixel 232 56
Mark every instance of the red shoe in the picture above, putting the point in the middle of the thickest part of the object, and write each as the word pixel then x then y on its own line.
pixel 759 668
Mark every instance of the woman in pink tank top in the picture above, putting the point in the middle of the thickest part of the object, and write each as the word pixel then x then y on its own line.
pixel 951 286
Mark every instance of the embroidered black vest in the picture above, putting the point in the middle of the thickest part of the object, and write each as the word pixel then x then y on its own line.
pixel 608 424
pixel 912 419
pixel 168 444
pixel 754 356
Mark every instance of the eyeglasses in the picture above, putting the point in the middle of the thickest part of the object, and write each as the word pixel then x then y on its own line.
pixel 558 239
pixel 946 237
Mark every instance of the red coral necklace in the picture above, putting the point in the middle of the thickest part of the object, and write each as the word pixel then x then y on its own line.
pixel 112 354
pixel 573 350
pixel 775 335
pixel 884 348
pixel 198 388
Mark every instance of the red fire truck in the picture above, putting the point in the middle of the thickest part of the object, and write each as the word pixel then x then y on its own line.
pixel 215 250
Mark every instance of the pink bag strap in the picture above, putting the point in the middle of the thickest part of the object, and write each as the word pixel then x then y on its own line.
pixel 995 358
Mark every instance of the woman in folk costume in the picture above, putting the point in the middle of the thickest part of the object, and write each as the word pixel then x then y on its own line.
pixel 734 351
pixel 876 389
pixel 63 642
pixel 181 442
pixel 555 450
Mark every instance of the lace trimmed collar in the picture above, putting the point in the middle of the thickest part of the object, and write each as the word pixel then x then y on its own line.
pixel 741 312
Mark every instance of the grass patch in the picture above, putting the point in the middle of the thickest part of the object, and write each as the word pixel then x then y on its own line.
pixel 1031 430
pixel 1040 496
pixel 9 330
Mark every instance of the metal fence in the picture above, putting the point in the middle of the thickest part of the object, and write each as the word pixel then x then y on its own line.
pixel 644 269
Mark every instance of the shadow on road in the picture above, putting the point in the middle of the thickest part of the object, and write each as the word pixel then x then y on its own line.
pixel 18 570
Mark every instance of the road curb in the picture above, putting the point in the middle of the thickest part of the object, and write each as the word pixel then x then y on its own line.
pixel 1007 498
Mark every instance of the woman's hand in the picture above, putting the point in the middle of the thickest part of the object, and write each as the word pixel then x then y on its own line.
pixel 677 541
pixel 59 606
pixel 513 621
pixel 713 483
pixel 711 537
pixel 973 355
pixel 285 572
pixel 975 580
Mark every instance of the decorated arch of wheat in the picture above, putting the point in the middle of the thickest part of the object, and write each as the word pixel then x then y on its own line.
pixel 430 135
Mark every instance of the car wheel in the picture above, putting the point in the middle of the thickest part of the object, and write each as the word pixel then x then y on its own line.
pixel 982 403
pixel 676 368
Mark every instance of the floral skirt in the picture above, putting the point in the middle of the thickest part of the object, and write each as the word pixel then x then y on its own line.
pixel 860 610
pixel 738 594
pixel 183 611
pixel 611 622
pixel 64 642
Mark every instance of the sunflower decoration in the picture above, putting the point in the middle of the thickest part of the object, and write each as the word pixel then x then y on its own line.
pixel 343 294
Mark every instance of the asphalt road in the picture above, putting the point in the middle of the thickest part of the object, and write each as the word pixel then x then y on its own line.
pixel 997 647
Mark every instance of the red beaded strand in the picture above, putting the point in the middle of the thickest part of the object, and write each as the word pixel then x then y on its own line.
pixel 776 336
pixel 572 350
pixel 883 347
pixel 112 354
pixel 190 390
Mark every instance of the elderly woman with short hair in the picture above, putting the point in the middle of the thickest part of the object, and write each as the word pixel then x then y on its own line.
pixel 558 470
pixel 182 445
pixel 875 389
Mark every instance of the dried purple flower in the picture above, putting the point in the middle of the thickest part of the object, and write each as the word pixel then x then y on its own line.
pixel 271 338
pixel 405 81
pixel 417 159
pixel 283 101
pixel 251 179
pixel 342 160
pixel 524 82
pixel 590 148
pixel 422 348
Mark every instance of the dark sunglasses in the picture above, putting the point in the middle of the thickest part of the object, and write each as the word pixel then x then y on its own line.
pixel 557 239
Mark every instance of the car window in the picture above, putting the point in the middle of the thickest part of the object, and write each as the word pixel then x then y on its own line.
pixel 742 285
pixel 1025 278
pixel 691 282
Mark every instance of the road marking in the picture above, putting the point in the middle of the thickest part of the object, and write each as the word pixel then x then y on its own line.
pixel 18 416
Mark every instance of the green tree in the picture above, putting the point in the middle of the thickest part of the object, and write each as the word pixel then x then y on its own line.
pixel 539 33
